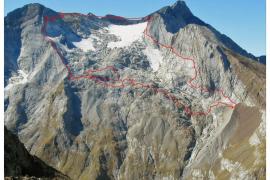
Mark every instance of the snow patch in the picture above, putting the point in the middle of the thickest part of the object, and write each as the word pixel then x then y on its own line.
pixel 154 56
pixel 56 40
pixel 86 44
pixel 126 33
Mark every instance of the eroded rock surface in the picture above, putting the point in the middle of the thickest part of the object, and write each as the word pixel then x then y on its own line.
pixel 124 114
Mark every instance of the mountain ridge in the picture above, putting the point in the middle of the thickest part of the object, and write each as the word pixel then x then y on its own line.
pixel 133 81
pixel 19 163
pixel 178 6
pixel 84 129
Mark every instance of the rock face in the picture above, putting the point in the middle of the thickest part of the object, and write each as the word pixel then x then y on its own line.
pixel 19 163
pixel 262 59
pixel 162 97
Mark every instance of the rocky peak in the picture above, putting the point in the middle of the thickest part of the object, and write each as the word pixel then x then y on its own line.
pixel 177 16
pixel 34 7
pixel 179 6
pixel 28 12
pixel 182 8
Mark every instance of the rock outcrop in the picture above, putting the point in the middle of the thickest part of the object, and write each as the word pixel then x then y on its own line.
pixel 20 164
pixel 165 96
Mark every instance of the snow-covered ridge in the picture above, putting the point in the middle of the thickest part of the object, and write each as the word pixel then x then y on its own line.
pixel 126 33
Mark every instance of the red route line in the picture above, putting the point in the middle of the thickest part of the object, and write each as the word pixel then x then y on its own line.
pixel 121 83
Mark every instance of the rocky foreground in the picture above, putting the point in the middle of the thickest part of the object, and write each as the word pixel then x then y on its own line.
pixel 19 164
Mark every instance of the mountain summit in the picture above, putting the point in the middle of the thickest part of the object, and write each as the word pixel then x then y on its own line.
pixel 161 97
pixel 177 16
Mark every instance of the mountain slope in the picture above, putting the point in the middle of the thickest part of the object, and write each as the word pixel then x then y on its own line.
pixel 19 163
pixel 262 59
pixel 115 98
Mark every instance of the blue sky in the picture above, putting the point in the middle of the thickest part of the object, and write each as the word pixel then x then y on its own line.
pixel 241 20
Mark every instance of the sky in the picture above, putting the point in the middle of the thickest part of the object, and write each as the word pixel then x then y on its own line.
pixel 241 20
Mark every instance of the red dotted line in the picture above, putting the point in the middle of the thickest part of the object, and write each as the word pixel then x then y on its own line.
pixel 121 83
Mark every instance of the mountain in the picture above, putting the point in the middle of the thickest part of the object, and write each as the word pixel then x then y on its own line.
pixel 262 59
pixel 19 163
pixel 165 96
